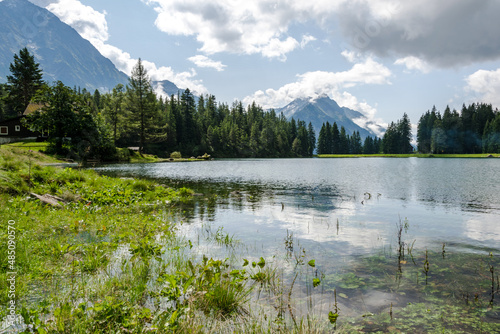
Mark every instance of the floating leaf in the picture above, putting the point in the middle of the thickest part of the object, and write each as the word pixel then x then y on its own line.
pixel 245 262
pixel 262 262
pixel 333 317
pixel 343 295
pixel 312 263
pixel 316 282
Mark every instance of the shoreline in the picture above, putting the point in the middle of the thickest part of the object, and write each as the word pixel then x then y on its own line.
pixel 415 155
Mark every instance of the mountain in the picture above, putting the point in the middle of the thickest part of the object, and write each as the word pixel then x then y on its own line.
pixel 322 109
pixel 62 53
pixel 167 87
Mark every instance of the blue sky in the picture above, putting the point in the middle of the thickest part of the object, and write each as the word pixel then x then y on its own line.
pixel 381 57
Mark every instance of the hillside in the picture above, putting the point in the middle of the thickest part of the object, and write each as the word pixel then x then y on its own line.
pixel 62 53
pixel 323 109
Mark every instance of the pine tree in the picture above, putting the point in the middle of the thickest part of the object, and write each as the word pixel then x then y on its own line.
pixel 404 135
pixel 141 103
pixel 343 141
pixel 322 140
pixel 312 139
pixel 25 80
pixel 329 138
pixel 113 110
pixel 3 97
pixel 335 139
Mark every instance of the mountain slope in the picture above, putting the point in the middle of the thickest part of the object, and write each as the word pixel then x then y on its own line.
pixel 62 53
pixel 323 109
pixel 167 87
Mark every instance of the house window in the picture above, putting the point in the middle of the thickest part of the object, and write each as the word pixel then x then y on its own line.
pixel 18 128
pixel 4 130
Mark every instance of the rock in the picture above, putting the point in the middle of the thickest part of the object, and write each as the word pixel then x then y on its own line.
pixel 49 199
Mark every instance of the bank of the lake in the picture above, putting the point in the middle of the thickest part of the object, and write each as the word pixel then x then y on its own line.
pixel 86 253
pixel 371 225
pixel 278 246
pixel 411 155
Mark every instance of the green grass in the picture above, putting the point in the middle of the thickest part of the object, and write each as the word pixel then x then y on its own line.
pixel 28 145
pixel 412 155
pixel 106 259
pixel 110 260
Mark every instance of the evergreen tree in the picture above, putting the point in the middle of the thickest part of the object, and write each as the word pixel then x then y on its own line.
pixel 404 135
pixel 188 109
pixel 369 146
pixel 329 138
pixel 25 80
pixel 141 103
pixel 3 97
pixel 335 139
pixel 113 110
pixel 491 136
pixel 322 147
pixel 343 141
pixel 71 126
pixel 357 145
pixel 312 139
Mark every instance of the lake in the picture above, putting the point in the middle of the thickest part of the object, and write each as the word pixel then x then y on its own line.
pixel 370 224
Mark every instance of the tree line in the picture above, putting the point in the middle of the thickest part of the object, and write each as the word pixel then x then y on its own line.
pixel 93 125
pixel 396 140
pixel 476 129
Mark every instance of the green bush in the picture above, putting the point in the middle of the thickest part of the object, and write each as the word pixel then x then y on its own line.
pixel 176 155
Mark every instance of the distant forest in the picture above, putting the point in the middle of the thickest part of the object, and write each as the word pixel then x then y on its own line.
pixel 396 140
pixel 476 129
pixel 93 125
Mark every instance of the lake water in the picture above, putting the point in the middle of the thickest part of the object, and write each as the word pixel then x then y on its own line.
pixel 342 212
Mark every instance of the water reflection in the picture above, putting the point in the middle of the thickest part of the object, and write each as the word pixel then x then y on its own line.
pixel 348 205
pixel 344 213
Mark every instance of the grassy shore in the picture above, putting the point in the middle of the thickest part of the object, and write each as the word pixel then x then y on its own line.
pixel 412 155
pixel 89 253
pixel 128 156
pixel 85 253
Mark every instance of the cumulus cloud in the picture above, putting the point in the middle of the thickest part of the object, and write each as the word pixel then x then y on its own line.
pixel 89 23
pixel 485 85
pixel 306 39
pixel 317 83
pixel 414 64
pixel 443 33
pixel 333 84
pixel 92 25
pixel 239 26
pixel 204 61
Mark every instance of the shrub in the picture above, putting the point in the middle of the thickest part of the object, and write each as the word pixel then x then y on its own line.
pixel 176 155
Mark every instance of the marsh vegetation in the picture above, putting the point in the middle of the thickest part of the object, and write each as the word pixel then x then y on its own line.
pixel 151 254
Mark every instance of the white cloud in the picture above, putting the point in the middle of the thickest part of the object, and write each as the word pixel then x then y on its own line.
pixel 313 84
pixel 204 61
pixel 92 25
pixel 486 85
pixel 414 64
pixel 333 84
pixel 351 56
pixel 240 26
pixel 443 33
pixel 277 48
pixel 89 23
pixel 306 39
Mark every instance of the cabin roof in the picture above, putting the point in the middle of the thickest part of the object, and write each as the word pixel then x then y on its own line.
pixel 32 107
